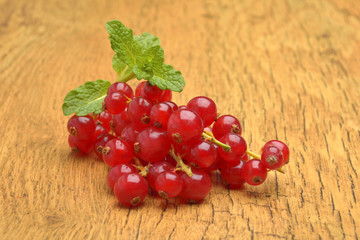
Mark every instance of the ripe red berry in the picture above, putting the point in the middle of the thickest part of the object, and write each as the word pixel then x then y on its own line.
pixel 155 169
pixel 197 187
pixel 166 96
pixel 168 184
pixel 283 148
pixel 152 93
pixel 131 189
pixel 173 105
pixel 184 126
pixel 80 146
pixel 254 172
pixel 234 176
pixel 115 102
pixel 202 153
pixel 121 87
pixel 100 142
pixel 117 172
pixel 117 151
pixel 130 133
pixel 152 145
pixel 81 127
pixel 119 122
pixel 205 107
pixel 104 119
pixel 237 144
pixel 160 114
pixel 139 91
pixel 226 124
pixel 139 111
pixel 272 157
pixel 99 130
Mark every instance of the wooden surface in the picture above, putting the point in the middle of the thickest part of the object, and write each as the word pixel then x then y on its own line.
pixel 289 70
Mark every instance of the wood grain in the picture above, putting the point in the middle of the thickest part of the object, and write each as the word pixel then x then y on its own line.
pixel 288 69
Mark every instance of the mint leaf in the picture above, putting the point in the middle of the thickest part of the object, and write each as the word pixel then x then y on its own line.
pixel 87 98
pixel 123 43
pixel 146 40
pixel 124 72
pixel 146 62
pixel 166 77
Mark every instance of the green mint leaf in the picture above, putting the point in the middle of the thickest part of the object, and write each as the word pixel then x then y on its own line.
pixel 123 43
pixel 166 77
pixel 87 98
pixel 152 58
pixel 124 72
pixel 146 40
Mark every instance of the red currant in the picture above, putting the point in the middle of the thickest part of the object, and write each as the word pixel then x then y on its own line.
pixel 117 172
pixel 139 91
pixel 104 119
pixel 117 151
pixel 81 127
pixel 237 144
pixel 155 169
pixel 119 122
pixel 226 124
pixel 283 148
pixel 197 187
pixel 152 93
pixel 166 96
pixel 121 87
pixel 130 133
pixel 115 102
pixel 272 157
pixel 168 184
pixel 100 142
pixel 160 114
pixel 139 111
pixel 254 172
pixel 203 154
pixel 205 107
pixel 80 146
pixel 234 176
pixel 131 189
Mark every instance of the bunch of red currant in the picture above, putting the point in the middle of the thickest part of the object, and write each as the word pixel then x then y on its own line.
pixel 147 139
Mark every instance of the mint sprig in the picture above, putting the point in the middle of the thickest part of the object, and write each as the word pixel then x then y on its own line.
pixel 87 98
pixel 138 57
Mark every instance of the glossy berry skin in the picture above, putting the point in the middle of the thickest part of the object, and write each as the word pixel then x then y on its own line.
pixel 81 127
pixel 117 151
pixel 184 126
pixel 205 107
pixel 237 144
pixel 121 87
pixel 119 122
pixel 167 96
pixel 160 114
pixel 152 145
pixel 153 93
pixel 197 187
pixel 80 146
pixel 168 184
pixel 155 169
pixel 131 189
pixel 226 124
pixel 283 148
pixel 234 176
pixel 202 153
pixel 254 172
pixel 117 172
pixel 271 157
pixel 115 103
pixel 99 130
pixel 139 111
pixel 104 119
pixel 130 133
pixel 100 142
pixel 173 105
pixel 139 91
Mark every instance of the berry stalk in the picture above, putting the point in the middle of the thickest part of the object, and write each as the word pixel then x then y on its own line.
pixel 183 167
pixel 210 137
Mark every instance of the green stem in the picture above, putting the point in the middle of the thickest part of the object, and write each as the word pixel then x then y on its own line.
pixel 210 137
pixel 182 165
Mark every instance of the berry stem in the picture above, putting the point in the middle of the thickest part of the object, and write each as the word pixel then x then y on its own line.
pixel 143 170
pixel 257 156
pixel 210 137
pixel 124 78
pixel 182 165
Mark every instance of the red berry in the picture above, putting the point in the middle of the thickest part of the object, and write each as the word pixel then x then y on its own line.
pixel 237 144
pixel 226 124
pixel 203 154
pixel 131 189
pixel 168 184
pixel 254 172
pixel 173 105
pixel 130 133
pixel 184 126
pixel 99 130
pixel 152 145
pixel 115 102
pixel 272 157
pixel 139 111
pixel 117 172
pixel 234 176
pixel 119 122
pixel 152 93
pixel 79 145
pixel 104 119
pixel 160 114
pixel 100 142
pixel 155 169
pixel 166 96
pixel 139 91
pixel 283 148
pixel 81 127
pixel 121 87
pixel 205 107
pixel 117 151
pixel 197 187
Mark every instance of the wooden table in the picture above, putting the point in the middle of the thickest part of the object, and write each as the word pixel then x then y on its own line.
pixel 288 69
